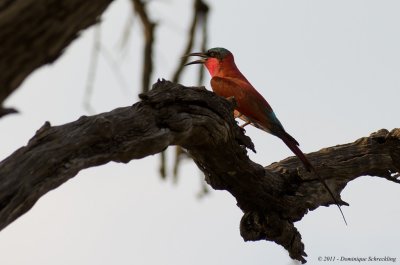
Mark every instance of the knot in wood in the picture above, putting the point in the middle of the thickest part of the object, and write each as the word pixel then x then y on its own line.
pixel 40 134
pixel 251 227
pixel 44 128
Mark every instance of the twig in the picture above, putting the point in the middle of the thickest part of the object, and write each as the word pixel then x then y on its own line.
pixel 148 34
pixel 6 111
pixel 114 66
pixel 200 14
pixel 91 76
pixel 200 10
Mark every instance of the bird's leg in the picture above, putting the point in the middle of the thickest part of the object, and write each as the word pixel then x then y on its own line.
pixel 239 115
pixel 245 124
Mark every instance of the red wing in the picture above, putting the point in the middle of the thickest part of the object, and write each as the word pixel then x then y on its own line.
pixel 250 103
pixel 228 87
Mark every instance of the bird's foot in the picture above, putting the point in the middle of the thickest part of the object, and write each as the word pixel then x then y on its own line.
pixel 232 100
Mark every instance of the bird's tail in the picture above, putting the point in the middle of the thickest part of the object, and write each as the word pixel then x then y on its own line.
pixel 293 145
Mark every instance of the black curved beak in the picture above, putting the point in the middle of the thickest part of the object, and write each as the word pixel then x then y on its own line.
pixel 200 54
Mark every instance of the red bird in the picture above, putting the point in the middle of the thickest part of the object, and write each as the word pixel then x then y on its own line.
pixel 227 81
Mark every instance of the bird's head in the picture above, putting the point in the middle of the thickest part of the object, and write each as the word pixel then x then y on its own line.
pixel 215 59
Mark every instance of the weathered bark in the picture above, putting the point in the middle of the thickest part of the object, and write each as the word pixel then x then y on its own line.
pixel 272 198
pixel 35 32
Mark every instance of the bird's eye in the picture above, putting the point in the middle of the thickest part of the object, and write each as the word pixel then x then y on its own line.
pixel 211 54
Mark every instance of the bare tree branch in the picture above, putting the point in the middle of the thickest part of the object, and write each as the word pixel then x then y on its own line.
pixel 148 34
pixel 204 41
pixel 91 76
pixel 200 12
pixel 36 32
pixel 199 21
pixel 271 198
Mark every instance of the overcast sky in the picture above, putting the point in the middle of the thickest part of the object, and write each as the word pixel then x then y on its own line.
pixel 330 70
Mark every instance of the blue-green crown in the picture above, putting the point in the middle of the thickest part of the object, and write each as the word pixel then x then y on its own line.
pixel 218 52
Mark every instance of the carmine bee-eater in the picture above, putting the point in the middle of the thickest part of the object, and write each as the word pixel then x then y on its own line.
pixel 227 81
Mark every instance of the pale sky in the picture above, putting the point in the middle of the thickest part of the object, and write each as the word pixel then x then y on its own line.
pixel 330 70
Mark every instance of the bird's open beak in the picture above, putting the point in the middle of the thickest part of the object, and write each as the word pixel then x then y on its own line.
pixel 200 54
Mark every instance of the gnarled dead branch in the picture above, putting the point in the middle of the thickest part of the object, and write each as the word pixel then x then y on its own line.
pixel 271 198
